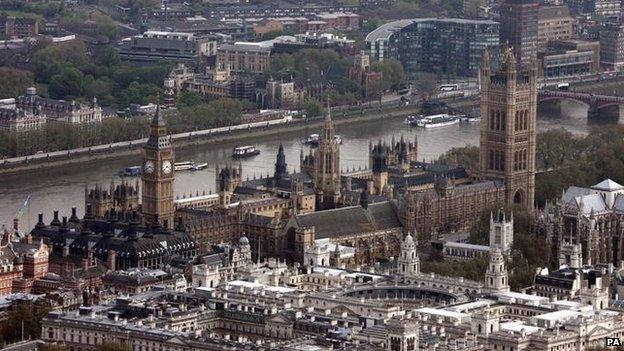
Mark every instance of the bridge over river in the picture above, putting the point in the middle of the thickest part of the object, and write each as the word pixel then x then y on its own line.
pixel 598 105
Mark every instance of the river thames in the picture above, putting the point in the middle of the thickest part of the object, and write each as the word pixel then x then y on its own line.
pixel 63 188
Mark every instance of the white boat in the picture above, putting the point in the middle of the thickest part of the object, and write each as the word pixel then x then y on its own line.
pixel 199 167
pixel 412 120
pixel 245 151
pixel 338 139
pixel 183 166
pixel 440 120
pixel 312 139
pixel 469 119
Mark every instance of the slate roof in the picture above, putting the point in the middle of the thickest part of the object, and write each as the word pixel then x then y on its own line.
pixel 618 204
pixel 574 192
pixel 348 221
pixel 591 202
pixel 608 185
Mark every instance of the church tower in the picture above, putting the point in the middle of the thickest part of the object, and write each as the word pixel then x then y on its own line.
pixel 509 110
pixel 157 175
pixel 327 167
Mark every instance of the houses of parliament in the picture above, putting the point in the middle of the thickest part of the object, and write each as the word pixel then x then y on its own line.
pixel 284 214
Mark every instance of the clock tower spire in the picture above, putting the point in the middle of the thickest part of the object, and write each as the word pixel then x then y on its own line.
pixel 157 175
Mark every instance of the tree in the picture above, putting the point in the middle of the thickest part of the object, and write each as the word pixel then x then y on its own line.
pixel 467 157
pixel 68 83
pixel 22 318
pixel 393 74
pixel 312 108
pixel 14 82
pixel 189 99
pixel 107 27
pixel 138 93
pixel 426 84
pixel 107 56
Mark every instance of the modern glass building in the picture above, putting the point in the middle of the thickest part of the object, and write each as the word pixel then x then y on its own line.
pixel 446 46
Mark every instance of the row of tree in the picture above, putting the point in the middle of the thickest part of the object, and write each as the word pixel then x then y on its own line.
pixel 59 136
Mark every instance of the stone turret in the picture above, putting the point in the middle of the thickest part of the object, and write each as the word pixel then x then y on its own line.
pixel 408 263
pixel 496 278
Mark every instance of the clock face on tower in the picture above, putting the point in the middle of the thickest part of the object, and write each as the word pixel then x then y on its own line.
pixel 166 167
pixel 149 166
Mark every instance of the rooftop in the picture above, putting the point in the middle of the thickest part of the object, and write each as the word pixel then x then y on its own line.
pixel 386 30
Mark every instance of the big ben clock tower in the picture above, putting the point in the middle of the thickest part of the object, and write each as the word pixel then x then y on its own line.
pixel 157 174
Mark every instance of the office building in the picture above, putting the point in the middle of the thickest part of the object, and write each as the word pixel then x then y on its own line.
pixel 519 28
pixel 451 47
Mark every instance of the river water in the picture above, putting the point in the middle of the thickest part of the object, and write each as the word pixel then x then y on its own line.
pixel 63 188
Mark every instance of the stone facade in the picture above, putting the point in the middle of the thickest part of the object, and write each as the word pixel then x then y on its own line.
pixel 509 110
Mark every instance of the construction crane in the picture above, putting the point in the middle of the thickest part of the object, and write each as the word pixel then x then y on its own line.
pixel 20 212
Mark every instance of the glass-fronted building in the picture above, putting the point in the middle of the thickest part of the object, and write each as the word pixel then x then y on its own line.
pixel 448 47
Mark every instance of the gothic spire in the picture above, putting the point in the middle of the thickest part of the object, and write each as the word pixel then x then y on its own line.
pixel 158 120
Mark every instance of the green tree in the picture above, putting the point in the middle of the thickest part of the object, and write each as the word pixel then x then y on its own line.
pixel 312 108
pixel 467 157
pixel 107 27
pixel 107 56
pixel 14 82
pixel 138 93
pixel 68 83
pixel 21 318
pixel 393 75
pixel 188 99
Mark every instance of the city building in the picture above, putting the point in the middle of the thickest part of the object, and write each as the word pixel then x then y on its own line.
pixel 587 217
pixel 155 46
pixel 519 28
pixel 339 21
pixel 121 235
pixel 554 23
pixel 562 63
pixel 501 237
pixel 612 46
pixel 606 8
pixel 315 40
pixel 451 47
pixel 245 56
pixel 361 72
pixel 18 120
pixel 14 27
pixel 278 9
pixel 56 110
pixel 579 46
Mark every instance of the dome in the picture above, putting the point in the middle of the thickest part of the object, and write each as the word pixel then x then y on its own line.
pixel 243 241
